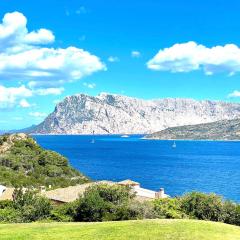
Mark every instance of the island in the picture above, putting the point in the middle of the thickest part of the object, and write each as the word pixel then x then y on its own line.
pixel 220 130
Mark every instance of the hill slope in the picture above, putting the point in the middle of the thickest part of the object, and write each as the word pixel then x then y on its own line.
pixel 220 130
pixel 135 230
pixel 115 114
pixel 24 163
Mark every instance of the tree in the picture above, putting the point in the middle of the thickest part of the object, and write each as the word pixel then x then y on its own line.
pixel 203 206
pixel 104 202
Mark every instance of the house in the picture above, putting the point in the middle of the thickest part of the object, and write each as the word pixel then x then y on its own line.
pixel 70 194
pixel 143 194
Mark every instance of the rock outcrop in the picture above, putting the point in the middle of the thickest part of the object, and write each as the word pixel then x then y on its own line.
pixel 116 114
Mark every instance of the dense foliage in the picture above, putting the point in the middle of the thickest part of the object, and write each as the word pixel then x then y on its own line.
pixel 25 163
pixel 114 203
pixel 25 207
pixel 104 202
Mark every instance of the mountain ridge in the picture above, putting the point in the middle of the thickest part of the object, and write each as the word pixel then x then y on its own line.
pixel 119 114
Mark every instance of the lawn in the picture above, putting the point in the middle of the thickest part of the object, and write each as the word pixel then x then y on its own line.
pixel 146 229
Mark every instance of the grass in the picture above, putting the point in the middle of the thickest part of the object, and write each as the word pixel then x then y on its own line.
pixel 134 230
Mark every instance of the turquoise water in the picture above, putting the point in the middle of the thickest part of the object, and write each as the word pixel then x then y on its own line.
pixel 206 166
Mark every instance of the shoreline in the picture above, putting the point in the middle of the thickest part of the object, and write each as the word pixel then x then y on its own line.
pixel 142 138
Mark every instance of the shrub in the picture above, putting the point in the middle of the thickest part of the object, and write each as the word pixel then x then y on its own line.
pixel 10 215
pixel 63 213
pixel 203 206
pixel 6 204
pixel 32 206
pixel 168 208
pixel 103 203
pixel 143 210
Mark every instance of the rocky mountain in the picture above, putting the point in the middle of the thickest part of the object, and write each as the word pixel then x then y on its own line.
pixel 116 114
pixel 220 130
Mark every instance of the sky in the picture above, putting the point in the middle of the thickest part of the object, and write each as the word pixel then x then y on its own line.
pixel 146 49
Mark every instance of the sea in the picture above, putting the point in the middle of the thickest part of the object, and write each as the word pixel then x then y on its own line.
pixel 206 166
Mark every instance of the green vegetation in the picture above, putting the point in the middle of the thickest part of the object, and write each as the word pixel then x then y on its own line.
pixel 220 130
pixel 134 230
pixel 104 202
pixel 25 207
pixel 24 163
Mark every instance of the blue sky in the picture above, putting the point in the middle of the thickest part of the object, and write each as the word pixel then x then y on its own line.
pixel 115 47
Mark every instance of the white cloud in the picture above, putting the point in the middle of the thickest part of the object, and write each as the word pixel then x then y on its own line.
pixel 191 56
pixel 24 103
pixel 89 85
pixel 49 91
pixel 38 114
pixel 113 59
pixel 234 94
pixel 23 57
pixel 12 96
pixel 42 36
pixel 135 54
pixel 16 96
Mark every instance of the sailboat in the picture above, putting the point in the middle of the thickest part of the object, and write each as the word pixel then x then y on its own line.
pixel 93 140
pixel 174 144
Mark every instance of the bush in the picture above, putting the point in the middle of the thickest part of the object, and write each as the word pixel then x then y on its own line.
pixel 143 210
pixel 63 213
pixel 168 208
pixel 10 215
pixel 104 203
pixel 203 206
pixel 6 204
pixel 32 206
pixel 231 213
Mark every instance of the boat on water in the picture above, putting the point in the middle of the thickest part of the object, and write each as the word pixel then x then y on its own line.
pixel 174 144
pixel 124 136
pixel 93 140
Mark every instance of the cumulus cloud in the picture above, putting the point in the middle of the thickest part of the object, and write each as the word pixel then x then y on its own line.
pixel 89 85
pixel 12 96
pixel 135 54
pixel 16 96
pixel 23 56
pixel 234 94
pixel 191 56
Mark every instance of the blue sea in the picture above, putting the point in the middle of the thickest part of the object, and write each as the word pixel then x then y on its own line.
pixel 207 166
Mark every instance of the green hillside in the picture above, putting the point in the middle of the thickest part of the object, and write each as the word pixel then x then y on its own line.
pixel 134 230
pixel 24 163
pixel 220 130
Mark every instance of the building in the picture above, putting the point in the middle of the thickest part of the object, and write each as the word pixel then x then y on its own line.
pixel 70 194
pixel 143 194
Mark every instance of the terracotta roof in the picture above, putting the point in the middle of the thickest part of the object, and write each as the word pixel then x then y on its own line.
pixel 128 182
pixel 70 194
